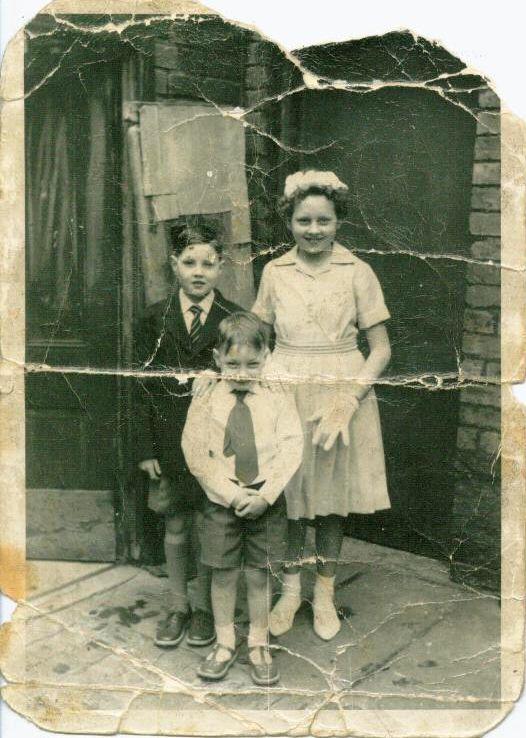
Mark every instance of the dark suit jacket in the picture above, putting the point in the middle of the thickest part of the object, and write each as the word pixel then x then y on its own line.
pixel 163 344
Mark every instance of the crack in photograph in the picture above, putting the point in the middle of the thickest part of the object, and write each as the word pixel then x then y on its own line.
pixel 263 296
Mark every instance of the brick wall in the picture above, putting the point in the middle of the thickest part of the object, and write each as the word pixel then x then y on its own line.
pixel 203 61
pixel 269 159
pixel 476 511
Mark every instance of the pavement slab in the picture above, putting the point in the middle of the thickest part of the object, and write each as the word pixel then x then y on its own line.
pixel 409 638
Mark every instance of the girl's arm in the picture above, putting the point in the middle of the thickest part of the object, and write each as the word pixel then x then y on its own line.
pixel 334 419
pixel 376 362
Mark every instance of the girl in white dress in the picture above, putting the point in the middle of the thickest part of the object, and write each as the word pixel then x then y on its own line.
pixel 317 297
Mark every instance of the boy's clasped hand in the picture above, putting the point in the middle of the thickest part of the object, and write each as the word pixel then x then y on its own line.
pixel 249 504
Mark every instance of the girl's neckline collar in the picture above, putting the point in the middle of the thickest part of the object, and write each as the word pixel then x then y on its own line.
pixel 339 255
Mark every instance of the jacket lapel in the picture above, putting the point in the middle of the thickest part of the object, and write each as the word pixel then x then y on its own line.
pixel 175 322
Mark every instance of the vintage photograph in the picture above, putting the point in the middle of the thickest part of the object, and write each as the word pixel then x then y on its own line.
pixel 262 381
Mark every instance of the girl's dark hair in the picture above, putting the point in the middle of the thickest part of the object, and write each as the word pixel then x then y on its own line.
pixel 340 198
pixel 182 237
pixel 241 329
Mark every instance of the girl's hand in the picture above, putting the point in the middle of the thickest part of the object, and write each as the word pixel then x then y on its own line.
pixel 152 468
pixel 334 421
pixel 204 384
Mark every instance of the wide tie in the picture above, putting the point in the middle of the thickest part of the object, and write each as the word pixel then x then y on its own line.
pixel 196 325
pixel 240 440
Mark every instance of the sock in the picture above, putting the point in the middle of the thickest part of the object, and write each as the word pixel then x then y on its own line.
pixel 258 637
pixel 324 588
pixel 175 550
pixel 326 622
pixel 201 589
pixel 283 612
pixel 291 586
pixel 226 636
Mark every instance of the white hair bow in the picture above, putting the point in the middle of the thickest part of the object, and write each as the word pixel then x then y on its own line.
pixel 312 178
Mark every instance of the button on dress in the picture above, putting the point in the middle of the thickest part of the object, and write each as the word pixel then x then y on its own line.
pixel 317 316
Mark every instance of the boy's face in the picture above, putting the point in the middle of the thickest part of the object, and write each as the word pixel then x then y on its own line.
pixel 197 270
pixel 241 365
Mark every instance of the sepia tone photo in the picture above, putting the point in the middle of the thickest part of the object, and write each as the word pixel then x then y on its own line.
pixel 263 465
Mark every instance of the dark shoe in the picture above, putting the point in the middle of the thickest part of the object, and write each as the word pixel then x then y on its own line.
pixel 170 631
pixel 264 674
pixel 212 669
pixel 201 631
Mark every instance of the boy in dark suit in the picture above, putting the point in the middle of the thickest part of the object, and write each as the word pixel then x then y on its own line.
pixel 177 336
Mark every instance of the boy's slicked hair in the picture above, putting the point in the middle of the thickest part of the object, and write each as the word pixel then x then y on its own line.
pixel 188 235
pixel 241 329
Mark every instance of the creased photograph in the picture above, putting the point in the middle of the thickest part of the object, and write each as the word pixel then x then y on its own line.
pixel 262 311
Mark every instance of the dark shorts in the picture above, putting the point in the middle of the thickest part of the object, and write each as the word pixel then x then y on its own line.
pixel 229 542
pixel 175 495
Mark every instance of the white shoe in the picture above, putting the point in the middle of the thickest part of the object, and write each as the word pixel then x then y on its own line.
pixel 283 613
pixel 326 621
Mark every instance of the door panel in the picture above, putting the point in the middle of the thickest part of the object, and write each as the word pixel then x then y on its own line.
pixel 72 283
pixel 407 157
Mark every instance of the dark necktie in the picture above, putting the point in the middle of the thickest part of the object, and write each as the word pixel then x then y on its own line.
pixel 240 440
pixel 196 325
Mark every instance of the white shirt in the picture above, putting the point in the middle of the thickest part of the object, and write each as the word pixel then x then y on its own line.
pixel 186 305
pixel 278 436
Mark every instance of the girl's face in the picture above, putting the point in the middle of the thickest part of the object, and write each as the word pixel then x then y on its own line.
pixel 314 225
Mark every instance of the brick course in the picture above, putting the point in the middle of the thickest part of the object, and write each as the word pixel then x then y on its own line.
pixel 476 511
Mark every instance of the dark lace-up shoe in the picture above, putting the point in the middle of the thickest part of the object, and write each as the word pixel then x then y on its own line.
pixel 171 630
pixel 201 631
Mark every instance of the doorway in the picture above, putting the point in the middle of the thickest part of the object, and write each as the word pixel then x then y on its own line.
pixel 72 315
pixel 406 154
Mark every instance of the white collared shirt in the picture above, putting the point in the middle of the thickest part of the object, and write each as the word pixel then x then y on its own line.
pixel 322 306
pixel 186 305
pixel 277 431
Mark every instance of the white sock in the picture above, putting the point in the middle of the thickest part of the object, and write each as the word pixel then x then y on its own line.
pixel 326 621
pixel 291 586
pixel 226 636
pixel 324 588
pixel 282 615
pixel 258 637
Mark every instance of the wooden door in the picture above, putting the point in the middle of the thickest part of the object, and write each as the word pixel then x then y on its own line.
pixel 407 157
pixel 72 283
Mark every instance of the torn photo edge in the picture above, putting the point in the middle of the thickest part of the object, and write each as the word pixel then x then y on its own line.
pixel 14 570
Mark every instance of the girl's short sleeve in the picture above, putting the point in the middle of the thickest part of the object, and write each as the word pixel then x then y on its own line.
pixel 264 305
pixel 370 304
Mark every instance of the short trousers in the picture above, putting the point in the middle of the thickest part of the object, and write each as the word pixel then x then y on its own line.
pixel 229 542
pixel 171 496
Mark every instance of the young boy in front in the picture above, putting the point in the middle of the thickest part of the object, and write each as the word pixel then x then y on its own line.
pixel 243 443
